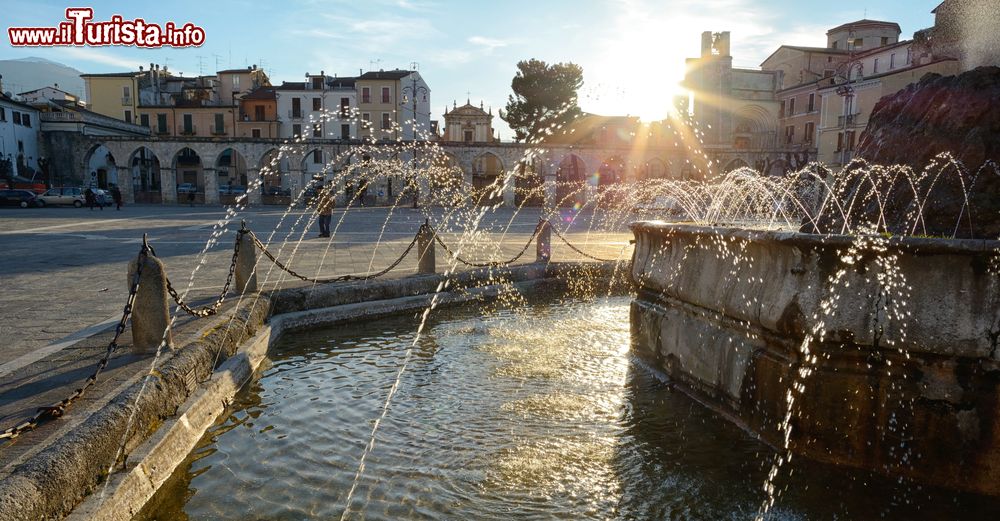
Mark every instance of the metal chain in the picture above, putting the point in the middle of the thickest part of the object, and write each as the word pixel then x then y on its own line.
pixel 208 311
pixel 59 408
pixel 491 264
pixel 578 250
pixel 343 278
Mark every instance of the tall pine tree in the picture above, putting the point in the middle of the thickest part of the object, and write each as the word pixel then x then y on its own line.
pixel 544 99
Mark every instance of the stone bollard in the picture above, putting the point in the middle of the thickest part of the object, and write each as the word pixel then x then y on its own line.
pixel 543 242
pixel 151 310
pixel 425 249
pixel 246 264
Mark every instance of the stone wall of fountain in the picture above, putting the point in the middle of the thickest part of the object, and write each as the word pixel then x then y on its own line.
pixel 888 346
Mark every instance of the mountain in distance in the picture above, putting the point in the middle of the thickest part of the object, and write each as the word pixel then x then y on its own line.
pixel 24 74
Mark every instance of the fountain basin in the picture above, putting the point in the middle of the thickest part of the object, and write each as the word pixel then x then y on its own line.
pixel 905 380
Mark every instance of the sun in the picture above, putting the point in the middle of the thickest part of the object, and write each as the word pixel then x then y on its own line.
pixel 639 72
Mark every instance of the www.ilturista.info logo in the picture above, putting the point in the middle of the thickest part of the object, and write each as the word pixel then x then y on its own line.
pixel 78 29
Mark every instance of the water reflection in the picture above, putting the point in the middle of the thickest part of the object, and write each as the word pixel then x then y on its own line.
pixel 534 414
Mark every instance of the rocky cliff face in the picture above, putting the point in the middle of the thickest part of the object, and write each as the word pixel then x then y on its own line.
pixel 957 115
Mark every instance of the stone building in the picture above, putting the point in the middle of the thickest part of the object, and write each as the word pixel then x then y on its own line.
pixel 259 114
pixel 19 135
pixel 733 108
pixel 469 124
pixel 965 30
pixel 394 105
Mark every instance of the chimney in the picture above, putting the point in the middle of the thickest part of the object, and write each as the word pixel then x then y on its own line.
pixel 706 44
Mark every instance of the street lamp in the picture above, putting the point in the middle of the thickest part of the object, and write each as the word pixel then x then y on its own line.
pixel 414 91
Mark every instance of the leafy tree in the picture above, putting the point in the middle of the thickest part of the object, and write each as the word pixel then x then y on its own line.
pixel 544 99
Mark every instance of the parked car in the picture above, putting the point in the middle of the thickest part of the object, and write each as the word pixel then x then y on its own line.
pixel 22 198
pixel 276 191
pixel 237 190
pixel 22 184
pixel 187 188
pixel 63 195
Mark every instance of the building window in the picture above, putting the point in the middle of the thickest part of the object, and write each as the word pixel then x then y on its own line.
pixel 126 95
pixel 875 68
pixel 850 140
pixel 17 117
pixel 885 41
pixel 26 119
pixel 345 131
pixel 908 55
pixel 258 113
pixel 789 134
pixel 296 108
pixel 835 45
pixel 317 82
pixel 144 120
pixel 345 107
pixel 386 121
pixel 161 123
pixel 810 130
pixel 892 61
pixel 812 102
pixel 3 114
pixel 255 132
pixel 317 157
pixel 220 124
pixel 385 94
pixel 317 104
pixel 296 131
pixel 317 130
pixel 859 43
pixel 828 73
pixel 236 83
pixel 128 116
pixel 791 107
pixel 781 109
pixel 468 136
pixel 366 95
pixel 840 141
pixel 188 124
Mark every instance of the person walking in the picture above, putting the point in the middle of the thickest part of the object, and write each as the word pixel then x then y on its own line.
pixel 324 207
pixel 191 198
pixel 90 197
pixel 116 195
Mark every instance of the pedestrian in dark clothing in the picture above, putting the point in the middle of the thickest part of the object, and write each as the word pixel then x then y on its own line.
pixel 116 194
pixel 191 198
pixel 90 197
pixel 324 207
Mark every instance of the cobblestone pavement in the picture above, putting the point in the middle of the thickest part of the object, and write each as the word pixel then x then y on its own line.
pixel 63 270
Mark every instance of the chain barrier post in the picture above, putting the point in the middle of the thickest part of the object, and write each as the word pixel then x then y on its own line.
pixel 246 262
pixel 425 249
pixel 151 310
pixel 543 242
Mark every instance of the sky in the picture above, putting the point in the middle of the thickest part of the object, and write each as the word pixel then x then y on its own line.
pixel 632 51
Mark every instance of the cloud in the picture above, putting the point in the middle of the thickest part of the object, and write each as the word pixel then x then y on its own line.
pixel 97 56
pixel 488 44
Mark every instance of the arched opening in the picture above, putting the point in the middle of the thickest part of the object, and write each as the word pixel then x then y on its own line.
pixel 777 168
pixel 528 187
pixel 487 172
pixel 754 128
pixel 611 172
pixel 231 169
pixel 571 179
pixel 272 189
pixel 190 176
pixel 657 169
pixel 446 179
pixel 100 167
pixel 145 169
pixel 735 164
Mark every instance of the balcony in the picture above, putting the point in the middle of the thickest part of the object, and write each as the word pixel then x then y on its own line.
pixel 295 114
pixel 218 131
pixel 849 120
pixel 189 131
pixel 127 101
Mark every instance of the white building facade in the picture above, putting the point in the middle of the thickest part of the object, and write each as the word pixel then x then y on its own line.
pixel 19 136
